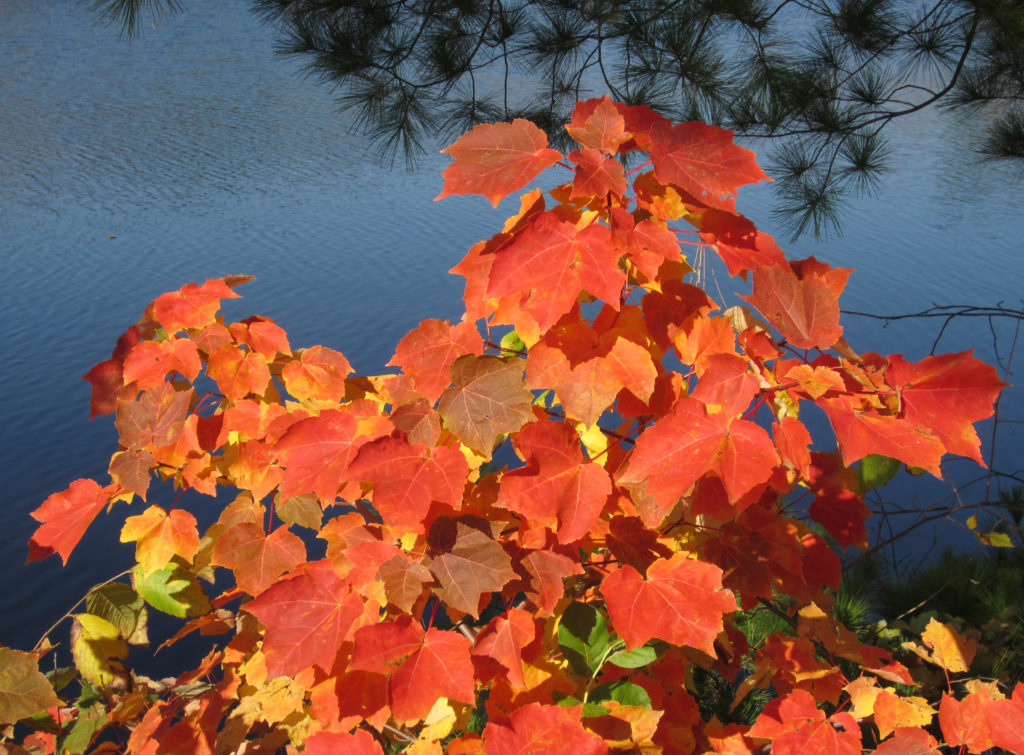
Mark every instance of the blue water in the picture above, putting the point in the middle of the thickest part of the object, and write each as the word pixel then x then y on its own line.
pixel 129 169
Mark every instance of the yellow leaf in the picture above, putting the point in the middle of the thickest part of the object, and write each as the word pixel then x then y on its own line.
pixel 95 642
pixel 945 647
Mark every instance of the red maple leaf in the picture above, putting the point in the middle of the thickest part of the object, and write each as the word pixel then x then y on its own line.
pixel 596 175
pixel 598 124
pixel 407 477
pixel 703 161
pixel 257 559
pixel 107 379
pixel 427 352
pixel 317 373
pixel 495 159
pixel 359 742
pixel 503 640
pixel 677 450
pixel 556 487
pixel 801 301
pixel 307 617
pixel 795 726
pixel 421 666
pixel 193 306
pixel 65 517
pixel 681 601
pixel 946 395
pixel 537 728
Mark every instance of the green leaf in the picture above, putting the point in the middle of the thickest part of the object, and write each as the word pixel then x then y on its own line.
pixel 173 590
pixel 621 691
pixel 634 658
pixel 583 637
pixel 119 604
pixel 590 709
pixel 96 646
pixel 24 690
pixel 61 677
pixel 876 471
pixel 512 342
pixel 89 721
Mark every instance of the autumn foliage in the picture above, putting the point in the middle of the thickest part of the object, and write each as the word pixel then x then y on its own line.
pixel 541 531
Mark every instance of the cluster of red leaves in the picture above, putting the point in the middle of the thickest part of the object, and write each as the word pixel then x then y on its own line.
pixel 659 445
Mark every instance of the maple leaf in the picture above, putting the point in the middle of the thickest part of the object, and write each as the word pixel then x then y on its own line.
pixel 24 691
pixel 843 515
pixel 157 418
pixel 488 398
pixel 680 601
pixel 703 161
pixel 238 372
pixel 257 559
pixel 862 433
pixel 192 306
pixel 945 647
pixel 503 640
pixel 471 563
pixel 262 335
pixel 421 666
pixel 65 517
pixel 316 452
pixel 130 469
pixel 538 728
pixel 406 478
pixel 598 124
pixel 548 570
pixel 801 301
pixel 672 454
pixel 427 352
pixel 107 379
pixel 307 617
pixel 909 741
pixel 359 742
pixel 738 242
pixel 317 373
pixel 596 175
pixel 150 362
pixel 159 536
pixel 795 726
pixel 557 486
pixel 946 395
pixel 892 711
pixel 1006 721
pixel 964 723
pixel 550 261
pixel 495 159
pixel 403 580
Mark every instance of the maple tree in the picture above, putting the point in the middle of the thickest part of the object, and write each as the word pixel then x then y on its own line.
pixel 539 537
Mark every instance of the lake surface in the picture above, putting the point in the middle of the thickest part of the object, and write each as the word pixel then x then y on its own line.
pixel 130 169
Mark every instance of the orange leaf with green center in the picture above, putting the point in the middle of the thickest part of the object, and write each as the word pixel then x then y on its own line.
pixel 65 517
pixel 159 536
pixel 192 306
pixel 557 487
pixel 317 373
pixel 427 352
pixel 307 617
pixel 495 159
pixel 680 601
pixel 487 398
pixel 703 161
pixel 257 559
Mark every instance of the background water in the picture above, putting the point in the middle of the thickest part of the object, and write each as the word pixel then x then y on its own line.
pixel 129 169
